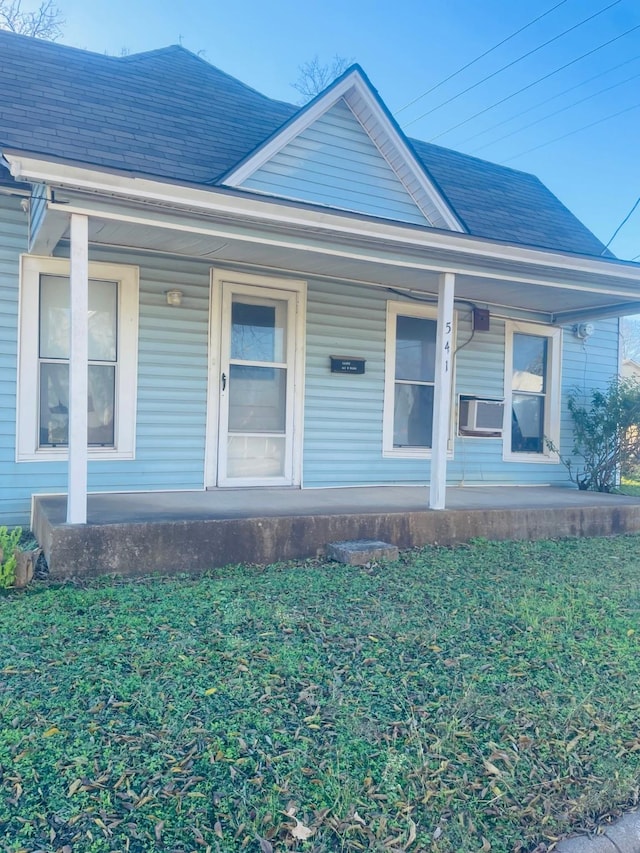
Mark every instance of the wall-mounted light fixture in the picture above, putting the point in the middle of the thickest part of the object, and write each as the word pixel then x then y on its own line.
pixel 174 297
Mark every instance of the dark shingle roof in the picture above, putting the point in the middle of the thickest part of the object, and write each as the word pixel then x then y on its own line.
pixel 166 113
pixel 505 204
pixel 170 114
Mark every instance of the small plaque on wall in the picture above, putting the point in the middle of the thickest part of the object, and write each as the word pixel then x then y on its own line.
pixel 346 364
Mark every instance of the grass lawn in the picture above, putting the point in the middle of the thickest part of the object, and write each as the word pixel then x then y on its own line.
pixel 471 699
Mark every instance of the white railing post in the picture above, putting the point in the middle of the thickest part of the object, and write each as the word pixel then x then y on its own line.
pixel 78 370
pixel 442 391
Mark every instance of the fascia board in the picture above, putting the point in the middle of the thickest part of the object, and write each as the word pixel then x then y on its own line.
pixel 388 127
pixel 217 201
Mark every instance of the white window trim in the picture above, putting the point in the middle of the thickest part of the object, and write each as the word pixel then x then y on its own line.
pixel 430 312
pixel 552 402
pixel 31 268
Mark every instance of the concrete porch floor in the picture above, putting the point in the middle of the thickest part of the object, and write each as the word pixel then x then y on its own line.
pixel 143 533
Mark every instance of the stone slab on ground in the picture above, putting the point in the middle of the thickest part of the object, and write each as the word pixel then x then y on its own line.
pixel 625 833
pixel 359 552
pixel 623 836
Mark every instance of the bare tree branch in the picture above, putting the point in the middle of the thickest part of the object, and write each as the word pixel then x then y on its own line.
pixel 316 76
pixel 44 23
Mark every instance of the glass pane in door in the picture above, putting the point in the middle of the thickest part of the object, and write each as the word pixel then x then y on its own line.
pixel 255 401
pixel 255 456
pixel 257 398
pixel 258 329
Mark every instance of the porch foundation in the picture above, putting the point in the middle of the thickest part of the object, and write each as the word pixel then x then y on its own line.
pixel 167 533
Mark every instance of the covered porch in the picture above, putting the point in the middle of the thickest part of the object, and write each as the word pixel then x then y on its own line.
pixel 81 214
pixel 171 532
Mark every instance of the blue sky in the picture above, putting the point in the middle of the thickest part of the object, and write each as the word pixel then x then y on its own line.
pixel 408 46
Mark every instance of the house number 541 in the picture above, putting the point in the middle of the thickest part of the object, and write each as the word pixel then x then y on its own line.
pixel 447 345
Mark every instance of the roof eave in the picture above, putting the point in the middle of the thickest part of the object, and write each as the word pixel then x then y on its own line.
pixel 280 213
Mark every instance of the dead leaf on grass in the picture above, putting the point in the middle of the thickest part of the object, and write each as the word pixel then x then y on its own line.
pixel 412 835
pixel 300 831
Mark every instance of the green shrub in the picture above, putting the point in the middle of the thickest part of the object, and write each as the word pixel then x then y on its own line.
pixel 9 540
pixel 606 435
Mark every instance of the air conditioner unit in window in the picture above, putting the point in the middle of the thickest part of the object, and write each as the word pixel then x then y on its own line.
pixel 481 416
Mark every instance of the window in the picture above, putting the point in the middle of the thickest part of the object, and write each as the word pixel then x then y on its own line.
pixel 409 379
pixel 43 392
pixel 532 386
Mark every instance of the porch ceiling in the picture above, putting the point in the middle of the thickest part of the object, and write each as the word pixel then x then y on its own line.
pixel 546 290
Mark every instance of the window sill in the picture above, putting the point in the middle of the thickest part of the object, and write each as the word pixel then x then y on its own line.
pixel 529 458
pixel 62 455
pixel 411 453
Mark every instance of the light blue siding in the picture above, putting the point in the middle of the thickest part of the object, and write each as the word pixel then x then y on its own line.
pixel 334 162
pixel 13 241
pixel 480 372
pixel 38 206
pixel 172 383
pixel 587 365
pixel 343 413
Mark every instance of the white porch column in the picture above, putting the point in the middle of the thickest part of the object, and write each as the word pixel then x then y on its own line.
pixel 442 391
pixel 78 370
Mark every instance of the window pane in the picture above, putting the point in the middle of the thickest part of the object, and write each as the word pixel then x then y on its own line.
pixel 54 405
pixel 415 348
pixel 257 399
pixel 529 363
pixel 101 404
pixel 413 415
pixel 258 330
pixel 54 318
pixel 103 320
pixel 527 424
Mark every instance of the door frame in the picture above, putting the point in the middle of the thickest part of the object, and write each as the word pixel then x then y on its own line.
pixel 270 283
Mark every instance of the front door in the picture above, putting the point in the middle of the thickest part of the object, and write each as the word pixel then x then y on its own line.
pixel 259 360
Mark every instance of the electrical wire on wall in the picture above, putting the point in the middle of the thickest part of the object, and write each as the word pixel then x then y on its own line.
pixel 431 301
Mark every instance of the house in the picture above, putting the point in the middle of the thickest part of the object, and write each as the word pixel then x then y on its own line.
pixel 224 290
pixel 630 369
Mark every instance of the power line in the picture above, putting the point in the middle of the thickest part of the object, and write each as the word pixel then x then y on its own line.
pixel 556 112
pixel 572 132
pixel 624 222
pixel 481 56
pixel 547 100
pixel 534 83
pixel 513 62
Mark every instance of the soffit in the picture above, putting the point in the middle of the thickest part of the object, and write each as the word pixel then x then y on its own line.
pixel 506 286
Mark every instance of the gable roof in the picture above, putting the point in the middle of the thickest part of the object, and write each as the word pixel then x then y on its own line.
pixel 169 114
pixel 354 90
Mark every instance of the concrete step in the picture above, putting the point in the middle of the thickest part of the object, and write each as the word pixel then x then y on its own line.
pixel 359 552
